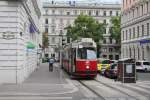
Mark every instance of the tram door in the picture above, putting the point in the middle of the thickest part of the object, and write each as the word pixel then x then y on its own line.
pixel 73 60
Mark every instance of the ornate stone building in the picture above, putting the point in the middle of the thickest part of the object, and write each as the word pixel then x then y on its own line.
pixel 19 39
pixel 58 15
pixel 136 29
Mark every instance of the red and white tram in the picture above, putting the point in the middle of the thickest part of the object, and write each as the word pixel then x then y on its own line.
pixel 79 58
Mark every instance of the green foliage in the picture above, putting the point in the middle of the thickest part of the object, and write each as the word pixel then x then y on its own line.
pixel 86 27
pixel 45 40
pixel 116 28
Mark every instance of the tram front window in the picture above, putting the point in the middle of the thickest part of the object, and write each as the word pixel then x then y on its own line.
pixel 87 53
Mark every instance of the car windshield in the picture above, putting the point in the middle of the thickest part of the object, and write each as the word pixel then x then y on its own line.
pixel 106 62
pixel 146 63
pixel 87 53
pixel 138 63
pixel 113 66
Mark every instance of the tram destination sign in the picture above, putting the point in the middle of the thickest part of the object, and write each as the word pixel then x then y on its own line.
pixel 87 44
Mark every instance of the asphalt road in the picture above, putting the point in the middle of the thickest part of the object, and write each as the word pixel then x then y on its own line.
pixel 143 76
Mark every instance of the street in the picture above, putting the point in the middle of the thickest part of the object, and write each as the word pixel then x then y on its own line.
pixel 143 76
pixel 56 85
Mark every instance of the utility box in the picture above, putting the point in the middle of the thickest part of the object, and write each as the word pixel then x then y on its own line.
pixel 127 70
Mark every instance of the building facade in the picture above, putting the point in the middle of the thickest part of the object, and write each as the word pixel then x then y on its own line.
pixel 136 29
pixel 19 39
pixel 58 15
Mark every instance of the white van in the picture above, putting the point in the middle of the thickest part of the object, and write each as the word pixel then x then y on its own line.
pixel 143 66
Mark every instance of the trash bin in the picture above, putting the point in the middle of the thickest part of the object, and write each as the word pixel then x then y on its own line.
pixel 126 70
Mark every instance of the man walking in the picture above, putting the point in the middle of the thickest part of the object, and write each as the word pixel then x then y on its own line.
pixel 51 61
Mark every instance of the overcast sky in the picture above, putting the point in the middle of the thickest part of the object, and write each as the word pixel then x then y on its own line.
pixel 88 0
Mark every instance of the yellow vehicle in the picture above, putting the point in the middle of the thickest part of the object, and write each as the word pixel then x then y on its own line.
pixel 103 64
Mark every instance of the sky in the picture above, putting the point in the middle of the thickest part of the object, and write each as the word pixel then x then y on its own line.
pixel 114 1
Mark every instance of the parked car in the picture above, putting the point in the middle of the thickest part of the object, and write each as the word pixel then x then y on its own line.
pixel 103 64
pixel 143 66
pixel 111 72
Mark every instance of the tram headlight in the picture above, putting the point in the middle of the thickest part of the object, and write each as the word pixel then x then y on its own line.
pixel 87 67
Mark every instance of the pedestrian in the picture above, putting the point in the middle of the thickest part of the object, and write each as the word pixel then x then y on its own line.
pixel 51 62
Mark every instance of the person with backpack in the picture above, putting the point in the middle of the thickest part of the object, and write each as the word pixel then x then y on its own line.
pixel 51 62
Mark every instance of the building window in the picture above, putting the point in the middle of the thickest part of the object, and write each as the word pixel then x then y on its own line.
pixel 126 34
pixel 46 30
pixel 143 54
pixel 53 21
pixel 68 13
pixel 61 12
pixel 61 32
pixel 138 31
pixel 104 13
pixel 137 11
pixel 130 34
pixel 110 49
pixel 133 13
pixel 105 50
pixel 123 37
pixel 147 28
pixel 142 9
pixel 96 13
pixel 110 57
pixel 53 11
pixel 110 30
pixel 117 57
pixel 104 41
pixel 89 13
pixel 147 7
pixel 75 12
pixel 46 11
pixel 110 40
pixel 110 13
pixel 105 30
pixel 138 53
pixel 46 21
pixel 142 30
pixel 53 40
pixel 117 13
pixel 104 21
pixel 53 30
pixel 133 32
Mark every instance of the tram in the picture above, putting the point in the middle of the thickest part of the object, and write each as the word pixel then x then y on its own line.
pixel 79 58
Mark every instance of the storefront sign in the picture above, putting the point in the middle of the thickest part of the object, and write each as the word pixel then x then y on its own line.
pixel 8 35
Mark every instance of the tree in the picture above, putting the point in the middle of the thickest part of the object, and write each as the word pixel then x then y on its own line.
pixel 116 28
pixel 86 27
pixel 45 40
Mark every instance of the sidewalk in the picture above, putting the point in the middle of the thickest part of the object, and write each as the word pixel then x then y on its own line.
pixel 41 82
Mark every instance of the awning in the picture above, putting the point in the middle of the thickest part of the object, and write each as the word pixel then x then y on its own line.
pixel 144 41
pixel 30 45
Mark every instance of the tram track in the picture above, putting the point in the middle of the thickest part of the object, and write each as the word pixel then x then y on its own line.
pixel 117 89
pixel 92 90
